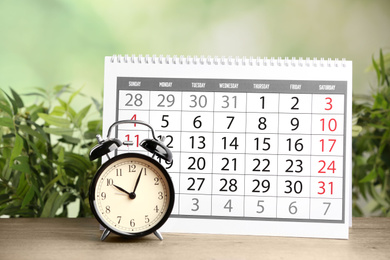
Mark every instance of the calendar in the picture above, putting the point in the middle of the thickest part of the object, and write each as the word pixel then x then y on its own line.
pixel 260 146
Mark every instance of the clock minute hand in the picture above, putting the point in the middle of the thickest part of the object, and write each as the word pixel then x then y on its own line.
pixel 137 181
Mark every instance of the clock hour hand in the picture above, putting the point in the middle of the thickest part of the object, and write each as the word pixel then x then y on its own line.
pixel 131 194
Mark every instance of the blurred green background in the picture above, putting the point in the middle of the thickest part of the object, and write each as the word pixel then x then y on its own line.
pixel 44 43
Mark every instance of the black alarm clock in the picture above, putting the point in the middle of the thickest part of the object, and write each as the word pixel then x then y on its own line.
pixel 131 194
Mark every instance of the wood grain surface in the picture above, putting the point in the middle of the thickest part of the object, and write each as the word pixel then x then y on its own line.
pixel 79 239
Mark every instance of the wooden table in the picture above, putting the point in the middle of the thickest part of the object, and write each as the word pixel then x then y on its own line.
pixel 79 239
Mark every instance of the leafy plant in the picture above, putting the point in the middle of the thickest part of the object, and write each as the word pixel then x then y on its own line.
pixel 44 164
pixel 371 149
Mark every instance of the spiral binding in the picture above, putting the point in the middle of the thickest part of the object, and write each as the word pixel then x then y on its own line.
pixel 229 61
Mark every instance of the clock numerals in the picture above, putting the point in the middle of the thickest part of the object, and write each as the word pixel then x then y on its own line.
pixel 126 185
pixel 132 223
pixel 132 167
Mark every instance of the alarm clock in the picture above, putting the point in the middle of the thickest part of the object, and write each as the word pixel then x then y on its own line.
pixel 131 194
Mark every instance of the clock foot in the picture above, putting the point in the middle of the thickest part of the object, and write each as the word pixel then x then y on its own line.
pixel 105 234
pixel 158 235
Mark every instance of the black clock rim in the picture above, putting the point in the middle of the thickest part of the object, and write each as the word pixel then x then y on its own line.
pixel 92 189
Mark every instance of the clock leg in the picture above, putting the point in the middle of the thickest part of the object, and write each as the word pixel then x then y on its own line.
pixel 158 235
pixel 105 234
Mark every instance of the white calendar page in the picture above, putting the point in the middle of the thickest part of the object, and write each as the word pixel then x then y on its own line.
pixel 260 147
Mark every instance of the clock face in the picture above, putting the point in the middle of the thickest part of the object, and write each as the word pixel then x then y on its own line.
pixel 132 195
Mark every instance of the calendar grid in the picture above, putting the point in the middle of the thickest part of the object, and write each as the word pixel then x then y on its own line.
pixel 204 170
pixel 277 160
pixel 212 161
pixel 311 140
pixel 344 166
pixel 181 119
pixel 245 141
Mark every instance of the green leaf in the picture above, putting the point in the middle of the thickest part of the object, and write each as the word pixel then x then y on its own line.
pixel 74 95
pixel 17 99
pixel 5 106
pixel 29 196
pixel 50 185
pixel 377 197
pixel 61 155
pixel 63 103
pixel 61 201
pixel 98 105
pixel 90 135
pixel 70 140
pixel 60 89
pixel 369 177
pixel 382 65
pixel 42 90
pixel 28 130
pixel 38 129
pixel 17 150
pixel 76 165
pixel 22 186
pixel 94 124
pixel 59 131
pixel 14 105
pixel 35 94
pixel 376 67
pixel 15 210
pixel 22 164
pixel 55 201
pixel 58 111
pixel 71 112
pixel 380 102
pixel 55 121
pixel 77 120
pixel 381 173
pixel 34 110
pixel 64 180
pixel 7 122
pixel 49 209
pixel 38 149
pixel 6 153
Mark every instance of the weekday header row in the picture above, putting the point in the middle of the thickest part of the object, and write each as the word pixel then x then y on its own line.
pixel 231 85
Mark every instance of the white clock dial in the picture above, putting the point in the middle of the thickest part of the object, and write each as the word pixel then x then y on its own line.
pixel 132 195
